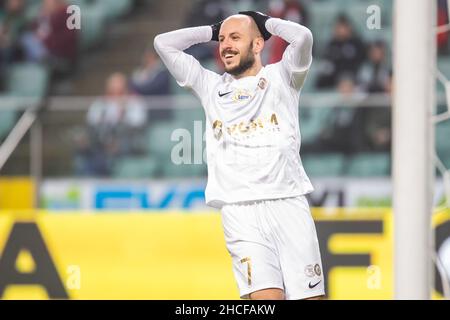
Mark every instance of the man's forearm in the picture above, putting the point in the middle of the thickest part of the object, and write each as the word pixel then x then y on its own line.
pixel 299 37
pixel 170 47
pixel 183 38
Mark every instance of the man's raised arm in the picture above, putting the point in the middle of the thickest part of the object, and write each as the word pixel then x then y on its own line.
pixel 185 68
pixel 297 57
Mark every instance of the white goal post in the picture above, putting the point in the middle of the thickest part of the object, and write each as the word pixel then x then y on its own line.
pixel 414 51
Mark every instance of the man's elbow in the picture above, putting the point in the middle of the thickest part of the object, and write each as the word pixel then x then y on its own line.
pixel 308 36
pixel 157 43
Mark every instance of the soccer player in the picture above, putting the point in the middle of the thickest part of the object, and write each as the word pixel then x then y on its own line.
pixel 255 175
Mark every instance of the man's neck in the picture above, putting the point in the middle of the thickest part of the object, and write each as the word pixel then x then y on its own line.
pixel 253 71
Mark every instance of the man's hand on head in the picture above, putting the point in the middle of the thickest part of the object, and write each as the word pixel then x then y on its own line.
pixel 260 19
pixel 215 31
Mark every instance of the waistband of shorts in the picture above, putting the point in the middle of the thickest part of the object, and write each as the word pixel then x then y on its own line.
pixel 259 201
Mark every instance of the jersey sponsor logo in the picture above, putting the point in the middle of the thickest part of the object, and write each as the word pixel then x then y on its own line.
pixel 242 95
pixel 260 123
pixel 245 129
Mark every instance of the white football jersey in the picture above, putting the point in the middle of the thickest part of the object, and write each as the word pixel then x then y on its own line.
pixel 252 128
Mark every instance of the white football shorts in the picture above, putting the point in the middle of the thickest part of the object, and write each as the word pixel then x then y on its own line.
pixel 273 244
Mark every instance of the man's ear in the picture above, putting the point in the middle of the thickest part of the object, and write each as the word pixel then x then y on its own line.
pixel 258 44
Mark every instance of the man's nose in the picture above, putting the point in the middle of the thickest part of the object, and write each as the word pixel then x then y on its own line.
pixel 226 44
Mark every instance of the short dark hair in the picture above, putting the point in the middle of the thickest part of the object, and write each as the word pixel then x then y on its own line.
pixel 342 18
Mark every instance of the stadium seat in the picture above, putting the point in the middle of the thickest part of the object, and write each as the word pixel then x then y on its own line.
pixel 324 13
pixel 116 8
pixel 171 170
pixel 369 165
pixel 312 122
pixel 136 167
pixel 444 66
pixel 189 115
pixel 443 142
pixel 311 79
pixel 175 89
pixel 211 64
pixel 29 81
pixel 159 139
pixel 324 165
pixel 32 9
pixel 7 120
pixel 93 21
pixel 322 16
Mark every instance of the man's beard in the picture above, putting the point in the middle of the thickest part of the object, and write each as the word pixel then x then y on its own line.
pixel 246 63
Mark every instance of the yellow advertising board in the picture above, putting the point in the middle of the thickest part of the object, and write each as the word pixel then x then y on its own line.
pixel 177 255
pixel 17 193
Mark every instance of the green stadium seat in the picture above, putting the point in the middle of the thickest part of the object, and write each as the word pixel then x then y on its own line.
pixel 171 170
pixel 311 79
pixel 357 12
pixel 211 65
pixel 27 80
pixel 443 142
pixel 323 16
pixel 369 165
pixel 444 66
pixel 159 143
pixel 7 121
pixel 189 115
pixel 32 10
pixel 324 165
pixel 114 9
pixel 312 122
pixel 93 22
pixel 80 3
pixel 445 158
pixel 175 89
pixel 136 167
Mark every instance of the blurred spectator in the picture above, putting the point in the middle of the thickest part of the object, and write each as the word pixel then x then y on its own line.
pixel 356 129
pixel 12 23
pixel 51 40
pixel 151 78
pixel 292 10
pixel 344 54
pixel 115 122
pixel 337 134
pixel 359 129
pixel 373 123
pixel 375 73
pixel 443 19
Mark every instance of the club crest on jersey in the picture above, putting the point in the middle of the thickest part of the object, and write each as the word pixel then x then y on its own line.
pixel 217 129
pixel 262 84
pixel 242 95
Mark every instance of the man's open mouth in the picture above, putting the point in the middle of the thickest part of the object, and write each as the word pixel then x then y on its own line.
pixel 229 55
